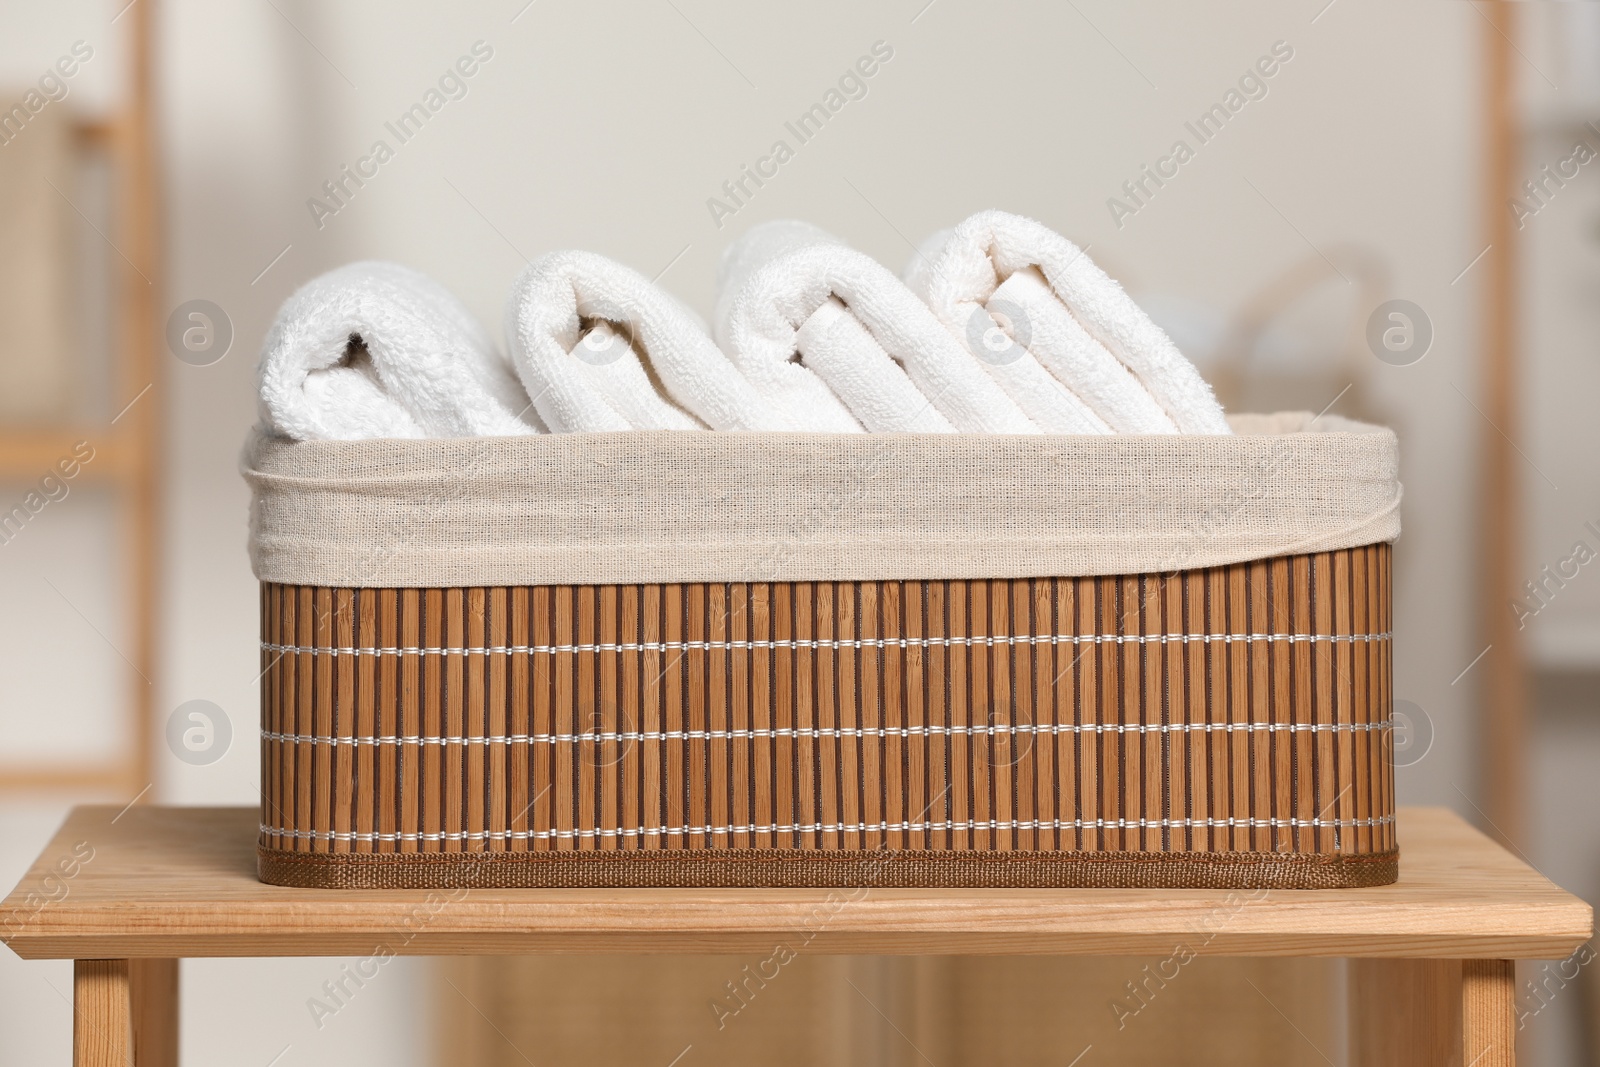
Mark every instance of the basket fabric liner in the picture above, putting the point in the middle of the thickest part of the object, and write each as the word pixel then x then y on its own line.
pixel 664 506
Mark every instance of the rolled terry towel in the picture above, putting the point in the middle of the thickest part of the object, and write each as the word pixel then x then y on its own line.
pixel 832 336
pixel 600 347
pixel 997 271
pixel 379 350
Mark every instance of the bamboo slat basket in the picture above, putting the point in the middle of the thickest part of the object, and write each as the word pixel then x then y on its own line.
pixel 1212 726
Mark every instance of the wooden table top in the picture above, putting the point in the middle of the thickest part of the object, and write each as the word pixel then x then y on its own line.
pixel 180 882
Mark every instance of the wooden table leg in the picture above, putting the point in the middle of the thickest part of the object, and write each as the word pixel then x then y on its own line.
pixel 1489 1012
pixel 1432 1013
pixel 125 1012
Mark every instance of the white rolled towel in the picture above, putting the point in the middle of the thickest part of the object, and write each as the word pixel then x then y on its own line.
pixel 601 347
pixel 832 336
pixel 998 277
pixel 375 349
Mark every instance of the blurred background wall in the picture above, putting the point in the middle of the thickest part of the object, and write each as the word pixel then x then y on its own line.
pixel 1356 178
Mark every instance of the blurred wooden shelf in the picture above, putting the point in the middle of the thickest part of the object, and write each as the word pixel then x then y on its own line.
pixel 1571 645
pixel 111 778
pixel 127 446
pixel 1562 118
pixel 27 455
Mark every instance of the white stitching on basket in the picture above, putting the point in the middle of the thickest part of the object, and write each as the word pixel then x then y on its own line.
pixel 882 827
pixel 631 736
pixel 978 641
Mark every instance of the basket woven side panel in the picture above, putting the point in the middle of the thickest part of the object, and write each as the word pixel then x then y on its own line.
pixel 1193 718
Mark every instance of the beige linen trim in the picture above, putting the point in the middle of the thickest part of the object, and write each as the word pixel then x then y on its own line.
pixel 673 506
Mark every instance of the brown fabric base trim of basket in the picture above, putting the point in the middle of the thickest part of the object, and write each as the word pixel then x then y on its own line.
pixel 782 868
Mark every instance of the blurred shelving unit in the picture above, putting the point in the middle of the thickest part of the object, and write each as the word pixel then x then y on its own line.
pixel 1540 376
pixel 1503 687
pixel 127 460
pixel 1559 288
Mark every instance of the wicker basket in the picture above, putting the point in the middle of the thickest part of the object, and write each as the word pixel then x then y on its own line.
pixel 1224 726
pixel 1221 727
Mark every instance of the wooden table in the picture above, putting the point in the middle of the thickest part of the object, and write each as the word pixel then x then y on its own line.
pixel 126 895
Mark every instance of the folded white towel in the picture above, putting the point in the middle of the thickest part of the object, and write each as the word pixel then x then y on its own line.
pixel 1068 317
pixel 997 332
pixel 375 349
pixel 600 347
pixel 1042 325
pixel 830 334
